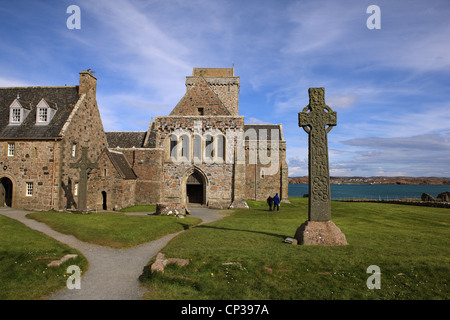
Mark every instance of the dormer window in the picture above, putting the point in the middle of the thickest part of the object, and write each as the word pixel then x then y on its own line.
pixel 42 115
pixel 15 115
pixel 45 112
pixel 18 111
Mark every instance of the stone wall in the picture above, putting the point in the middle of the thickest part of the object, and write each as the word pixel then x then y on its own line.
pixel 216 179
pixel 106 183
pixel 84 128
pixel 147 164
pixel 261 179
pixel 165 126
pixel 226 88
pixel 217 173
pixel 33 162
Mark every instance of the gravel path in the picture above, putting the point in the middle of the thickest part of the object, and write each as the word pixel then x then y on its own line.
pixel 113 273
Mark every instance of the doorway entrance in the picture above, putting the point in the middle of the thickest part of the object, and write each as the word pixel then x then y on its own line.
pixel 104 206
pixel 195 188
pixel 6 192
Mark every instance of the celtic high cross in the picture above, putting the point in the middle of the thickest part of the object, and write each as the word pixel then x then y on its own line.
pixel 85 166
pixel 317 119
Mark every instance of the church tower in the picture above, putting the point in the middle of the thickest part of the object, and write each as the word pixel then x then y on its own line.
pixel 222 82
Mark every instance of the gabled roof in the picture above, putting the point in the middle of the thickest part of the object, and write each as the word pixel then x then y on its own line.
pixel 64 97
pixel 47 104
pixel 121 164
pixel 200 95
pixel 21 104
pixel 121 139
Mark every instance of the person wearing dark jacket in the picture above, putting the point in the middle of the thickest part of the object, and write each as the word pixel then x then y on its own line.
pixel 270 202
pixel 276 202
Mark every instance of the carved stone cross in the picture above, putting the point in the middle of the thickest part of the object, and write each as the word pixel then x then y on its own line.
pixel 85 166
pixel 317 119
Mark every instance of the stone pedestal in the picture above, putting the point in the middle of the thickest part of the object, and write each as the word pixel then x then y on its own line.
pixel 321 233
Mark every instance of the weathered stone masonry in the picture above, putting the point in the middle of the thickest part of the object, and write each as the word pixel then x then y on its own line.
pixel 203 152
pixel 43 153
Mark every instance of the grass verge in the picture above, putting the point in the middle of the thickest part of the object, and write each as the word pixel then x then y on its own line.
pixel 115 230
pixel 243 256
pixel 24 255
pixel 140 208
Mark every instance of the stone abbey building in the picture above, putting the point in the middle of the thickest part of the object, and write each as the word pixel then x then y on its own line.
pixel 55 154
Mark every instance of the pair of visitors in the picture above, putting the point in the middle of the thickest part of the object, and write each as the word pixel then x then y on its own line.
pixel 275 202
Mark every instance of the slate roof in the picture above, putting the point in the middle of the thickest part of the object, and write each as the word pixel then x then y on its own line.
pixel 64 97
pixel 122 139
pixel 260 133
pixel 121 164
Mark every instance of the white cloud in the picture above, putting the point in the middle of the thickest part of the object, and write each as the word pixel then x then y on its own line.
pixel 252 120
pixel 389 86
pixel 8 82
pixel 426 142
pixel 422 155
pixel 430 118
pixel 342 101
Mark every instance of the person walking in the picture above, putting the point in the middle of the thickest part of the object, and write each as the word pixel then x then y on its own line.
pixel 276 202
pixel 270 202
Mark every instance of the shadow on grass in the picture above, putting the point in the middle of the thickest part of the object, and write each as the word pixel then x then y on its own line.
pixel 186 226
pixel 242 230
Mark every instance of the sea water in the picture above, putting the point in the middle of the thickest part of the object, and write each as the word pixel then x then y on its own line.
pixel 373 191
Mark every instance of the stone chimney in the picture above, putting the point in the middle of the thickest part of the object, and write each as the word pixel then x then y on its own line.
pixel 88 83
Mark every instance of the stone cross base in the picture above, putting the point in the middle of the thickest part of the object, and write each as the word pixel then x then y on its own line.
pixel 320 233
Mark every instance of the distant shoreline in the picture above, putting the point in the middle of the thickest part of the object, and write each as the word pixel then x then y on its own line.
pixel 378 180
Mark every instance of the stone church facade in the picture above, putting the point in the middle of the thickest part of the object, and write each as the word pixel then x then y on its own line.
pixel 55 154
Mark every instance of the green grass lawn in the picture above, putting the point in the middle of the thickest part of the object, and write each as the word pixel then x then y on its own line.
pixel 243 256
pixel 24 255
pixel 140 208
pixel 115 230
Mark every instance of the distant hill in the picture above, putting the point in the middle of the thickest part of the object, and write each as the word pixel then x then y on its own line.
pixel 376 180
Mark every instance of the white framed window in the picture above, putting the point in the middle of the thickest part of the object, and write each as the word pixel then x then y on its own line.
pixel 15 115
pixel 11 149
pixel 42 115
pixel 75 189
pixel 29 190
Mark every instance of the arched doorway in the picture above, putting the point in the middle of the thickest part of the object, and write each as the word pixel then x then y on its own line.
pixel 6 192
pixel 195 191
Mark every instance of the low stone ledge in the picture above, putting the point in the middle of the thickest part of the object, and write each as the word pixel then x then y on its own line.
pixel 239 204
pixel 57 263
pixel 171 209
pixel 161 262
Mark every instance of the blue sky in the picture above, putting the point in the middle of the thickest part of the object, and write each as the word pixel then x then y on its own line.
pixel 390 87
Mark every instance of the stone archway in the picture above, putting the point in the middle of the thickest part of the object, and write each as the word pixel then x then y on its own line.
pixel 6 192
pixel 194 187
